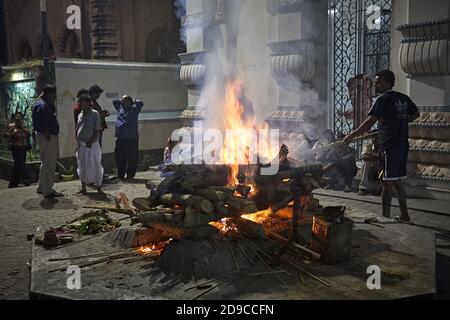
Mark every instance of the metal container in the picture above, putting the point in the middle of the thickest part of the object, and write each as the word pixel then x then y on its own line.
pixel 50 239
pixel 332 240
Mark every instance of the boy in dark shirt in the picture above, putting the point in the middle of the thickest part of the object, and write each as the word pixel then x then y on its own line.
pixel 393 111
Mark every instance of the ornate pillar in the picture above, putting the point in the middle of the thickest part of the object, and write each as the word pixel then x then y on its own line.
pixel 105 30
pixel 193 63
pixel 298 64
pixel 425 58
pixel 206 40
pixel 425 49
pixel 193 74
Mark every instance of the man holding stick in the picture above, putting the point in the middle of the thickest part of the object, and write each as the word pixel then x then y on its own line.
pixel 393 111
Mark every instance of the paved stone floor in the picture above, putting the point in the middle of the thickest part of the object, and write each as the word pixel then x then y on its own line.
pixel 3 184
pixel 22 210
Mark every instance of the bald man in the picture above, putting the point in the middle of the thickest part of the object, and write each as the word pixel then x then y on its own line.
pixel 127 136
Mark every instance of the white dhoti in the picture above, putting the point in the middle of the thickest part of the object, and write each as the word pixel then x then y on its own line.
pixel 90 169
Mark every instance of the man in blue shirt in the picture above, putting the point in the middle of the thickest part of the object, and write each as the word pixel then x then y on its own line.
pixel 127 136
pixel 46 125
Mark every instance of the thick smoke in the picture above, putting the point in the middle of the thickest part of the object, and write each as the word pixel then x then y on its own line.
pixel 180 8
pixel 180 12
pixel 237 48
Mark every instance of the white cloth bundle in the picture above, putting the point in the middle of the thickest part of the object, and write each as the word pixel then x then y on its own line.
pixel 90 169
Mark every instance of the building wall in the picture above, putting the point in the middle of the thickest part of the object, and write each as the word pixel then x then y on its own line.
pixel 23 26
pixel 150 19
pixel 423 90
pixel 278 49
pixel 157 85
pixel 253 55
pixel 138 21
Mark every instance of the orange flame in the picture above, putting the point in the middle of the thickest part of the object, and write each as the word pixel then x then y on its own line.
pixel 242 143
pixel 153 249
pixel 224 225
pixel 258 217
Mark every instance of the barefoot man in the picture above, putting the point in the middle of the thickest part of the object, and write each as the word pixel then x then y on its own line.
pixel 89 153
pixel 393 111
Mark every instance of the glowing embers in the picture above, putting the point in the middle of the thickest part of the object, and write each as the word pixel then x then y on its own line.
pixel 224 225
pixel 154 249
pixel 258 217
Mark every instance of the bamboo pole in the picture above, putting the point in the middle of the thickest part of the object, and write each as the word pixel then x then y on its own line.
pixel 280 238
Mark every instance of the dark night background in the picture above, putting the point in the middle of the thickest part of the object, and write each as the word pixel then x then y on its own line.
pixel 3 51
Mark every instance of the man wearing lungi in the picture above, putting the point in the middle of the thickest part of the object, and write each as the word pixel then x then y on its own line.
pixel 89 152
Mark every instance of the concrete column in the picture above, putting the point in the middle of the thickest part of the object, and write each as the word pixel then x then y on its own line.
pixel 299 61
pixel 424 89
pixel 193 64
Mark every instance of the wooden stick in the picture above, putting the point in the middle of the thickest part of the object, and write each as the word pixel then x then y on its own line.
pixel 280 238
pixel 293 236
pixel 213 243
pixel 107 259
pixel 244 253
pixel 301 278
pixel 255 251
pixel 234 258
pixel 207 291
pixel 112 209
pixel 140 258
pixel 187 200
pixel 341 143
pixel 87 256
pixel 282 204
pixel 305 272
pixel 201 284
pixel 268 257
pixel 265 273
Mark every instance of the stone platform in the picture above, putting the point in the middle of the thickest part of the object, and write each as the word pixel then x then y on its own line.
pixel 404 273
pixel 395 245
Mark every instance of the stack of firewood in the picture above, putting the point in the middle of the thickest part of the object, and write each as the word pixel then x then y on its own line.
pixel 195 195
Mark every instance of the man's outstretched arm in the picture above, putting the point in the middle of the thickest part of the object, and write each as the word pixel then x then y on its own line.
pixel 366 126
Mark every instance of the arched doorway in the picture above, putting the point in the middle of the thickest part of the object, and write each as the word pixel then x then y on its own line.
pixel 163 46
pixel 51 50
pixel 69 45
pixel 25 51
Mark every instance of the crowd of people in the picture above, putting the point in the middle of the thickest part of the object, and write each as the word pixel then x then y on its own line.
pixel 90 124
pixel 385 158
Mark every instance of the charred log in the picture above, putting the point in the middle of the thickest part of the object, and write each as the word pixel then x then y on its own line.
pixel 187 200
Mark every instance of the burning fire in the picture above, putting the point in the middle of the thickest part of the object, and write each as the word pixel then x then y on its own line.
pixel 241 143
pixel 224 225
pixel 245 140
pixel 155 249
pixel 258 217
